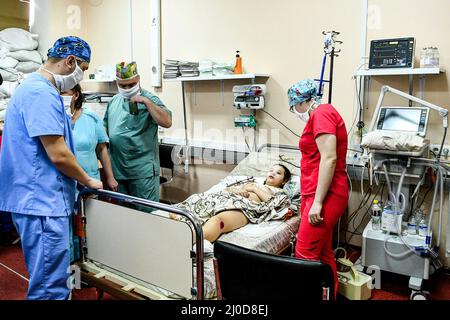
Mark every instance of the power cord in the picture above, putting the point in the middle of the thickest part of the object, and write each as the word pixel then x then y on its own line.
pixel 281 123
pixel 245 139
pixel 281 156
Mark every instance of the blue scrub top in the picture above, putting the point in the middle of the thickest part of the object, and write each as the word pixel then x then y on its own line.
pixel 29 182
pixel 88 132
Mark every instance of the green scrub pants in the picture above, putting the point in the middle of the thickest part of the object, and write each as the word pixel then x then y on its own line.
pixel 146 188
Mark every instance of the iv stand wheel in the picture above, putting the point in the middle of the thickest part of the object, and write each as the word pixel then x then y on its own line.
pixel 418 295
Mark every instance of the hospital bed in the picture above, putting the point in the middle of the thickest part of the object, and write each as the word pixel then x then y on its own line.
pixel 136 255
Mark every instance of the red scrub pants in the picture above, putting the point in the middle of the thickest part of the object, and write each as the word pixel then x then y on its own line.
pixel 315 242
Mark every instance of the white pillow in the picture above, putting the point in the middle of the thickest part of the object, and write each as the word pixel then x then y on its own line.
pixel 292 188
pixel 9 75
pixel 8 87
pixel 27 67
pixel 26 55
pixel 8 62
pixel 18 39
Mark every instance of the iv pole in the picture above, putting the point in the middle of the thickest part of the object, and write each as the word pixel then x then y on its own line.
pixel 329 49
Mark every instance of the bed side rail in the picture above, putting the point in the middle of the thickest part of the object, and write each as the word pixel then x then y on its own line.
pixel 278 146
pixel 86 192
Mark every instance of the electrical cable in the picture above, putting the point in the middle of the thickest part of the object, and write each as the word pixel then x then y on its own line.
pixel 281 123
pixel 364 216
pixel 351 188
pixel 442 144
pixel 433 153
pixel 355 117
pixel 245 139
pixel 382 192
pixel 359 104
pixel 353 215
pixel 284 160
pixel 338 231
pixel 425 196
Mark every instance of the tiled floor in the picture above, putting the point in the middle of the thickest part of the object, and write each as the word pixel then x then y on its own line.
pixel 13 283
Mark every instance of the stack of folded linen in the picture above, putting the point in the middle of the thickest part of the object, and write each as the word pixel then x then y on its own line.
pixel 18 58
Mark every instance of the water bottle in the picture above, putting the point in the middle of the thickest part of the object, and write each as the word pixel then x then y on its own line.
pixel 412 226
pixel 434 57
pixel 426 57
pixel 423 228
pixel 423 57
pixel 376 215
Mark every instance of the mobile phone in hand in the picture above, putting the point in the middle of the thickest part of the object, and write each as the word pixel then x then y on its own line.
pixel 133 108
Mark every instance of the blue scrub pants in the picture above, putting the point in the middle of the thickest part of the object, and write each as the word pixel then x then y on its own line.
pixel 6 225
pixel 45 246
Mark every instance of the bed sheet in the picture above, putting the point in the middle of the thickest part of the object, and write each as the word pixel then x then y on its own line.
pixel 270 237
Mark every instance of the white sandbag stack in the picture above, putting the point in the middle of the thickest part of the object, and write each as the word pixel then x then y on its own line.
pixel 18 58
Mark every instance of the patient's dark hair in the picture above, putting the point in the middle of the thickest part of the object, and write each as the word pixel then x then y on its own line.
pixel 287 173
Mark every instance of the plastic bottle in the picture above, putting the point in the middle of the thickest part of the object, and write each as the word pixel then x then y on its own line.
pixel 423 227
pixel 423 57
pixel 376 215
pixel 357 139
pixel 238 66
pixel 412 226
pixel 434 57
pixel 426 57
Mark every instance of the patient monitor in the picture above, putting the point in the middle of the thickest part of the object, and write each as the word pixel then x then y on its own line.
pixel 403 119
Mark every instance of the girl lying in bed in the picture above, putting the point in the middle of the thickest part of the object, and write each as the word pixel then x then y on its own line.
pixel 232 208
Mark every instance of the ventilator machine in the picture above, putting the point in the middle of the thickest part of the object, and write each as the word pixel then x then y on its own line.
pixel 397 155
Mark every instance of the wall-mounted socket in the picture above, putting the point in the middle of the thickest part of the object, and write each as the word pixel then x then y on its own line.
pixel 445 151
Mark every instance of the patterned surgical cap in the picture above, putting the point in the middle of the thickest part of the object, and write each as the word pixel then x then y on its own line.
pixel 68 46
pixel 302 91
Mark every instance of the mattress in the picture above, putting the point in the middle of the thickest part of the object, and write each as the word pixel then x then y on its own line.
pixel 270 237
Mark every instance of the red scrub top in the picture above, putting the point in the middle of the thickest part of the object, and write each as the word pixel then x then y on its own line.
pixel 324 119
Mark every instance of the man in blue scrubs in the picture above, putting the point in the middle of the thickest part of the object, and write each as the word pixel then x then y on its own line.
pixel 38 169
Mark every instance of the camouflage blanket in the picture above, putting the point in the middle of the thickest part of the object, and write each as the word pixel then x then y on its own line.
pixel 205 206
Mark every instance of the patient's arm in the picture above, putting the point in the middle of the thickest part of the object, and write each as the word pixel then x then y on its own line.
pixel 238 190
pixel 262 193
pixel 252 191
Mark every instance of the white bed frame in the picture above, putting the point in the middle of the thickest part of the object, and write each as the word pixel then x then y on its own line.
pixel 137 250
pixel 128 252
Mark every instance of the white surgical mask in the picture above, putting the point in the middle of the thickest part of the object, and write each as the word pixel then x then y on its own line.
pixel 67 82
pixel 129 93
pixel 67 100
pixel 304 116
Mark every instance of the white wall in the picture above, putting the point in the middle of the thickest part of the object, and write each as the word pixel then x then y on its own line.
pixel 281 38
pixel 57 18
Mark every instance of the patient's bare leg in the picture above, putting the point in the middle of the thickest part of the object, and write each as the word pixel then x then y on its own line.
pixel 225 221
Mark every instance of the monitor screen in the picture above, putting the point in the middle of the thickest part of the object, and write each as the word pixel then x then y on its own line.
pixel 402 119
pixel 412 119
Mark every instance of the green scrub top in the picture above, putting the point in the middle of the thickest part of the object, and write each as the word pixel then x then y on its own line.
pixel 134 146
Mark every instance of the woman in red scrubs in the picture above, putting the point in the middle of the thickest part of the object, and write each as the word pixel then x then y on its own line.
pixel 324 187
